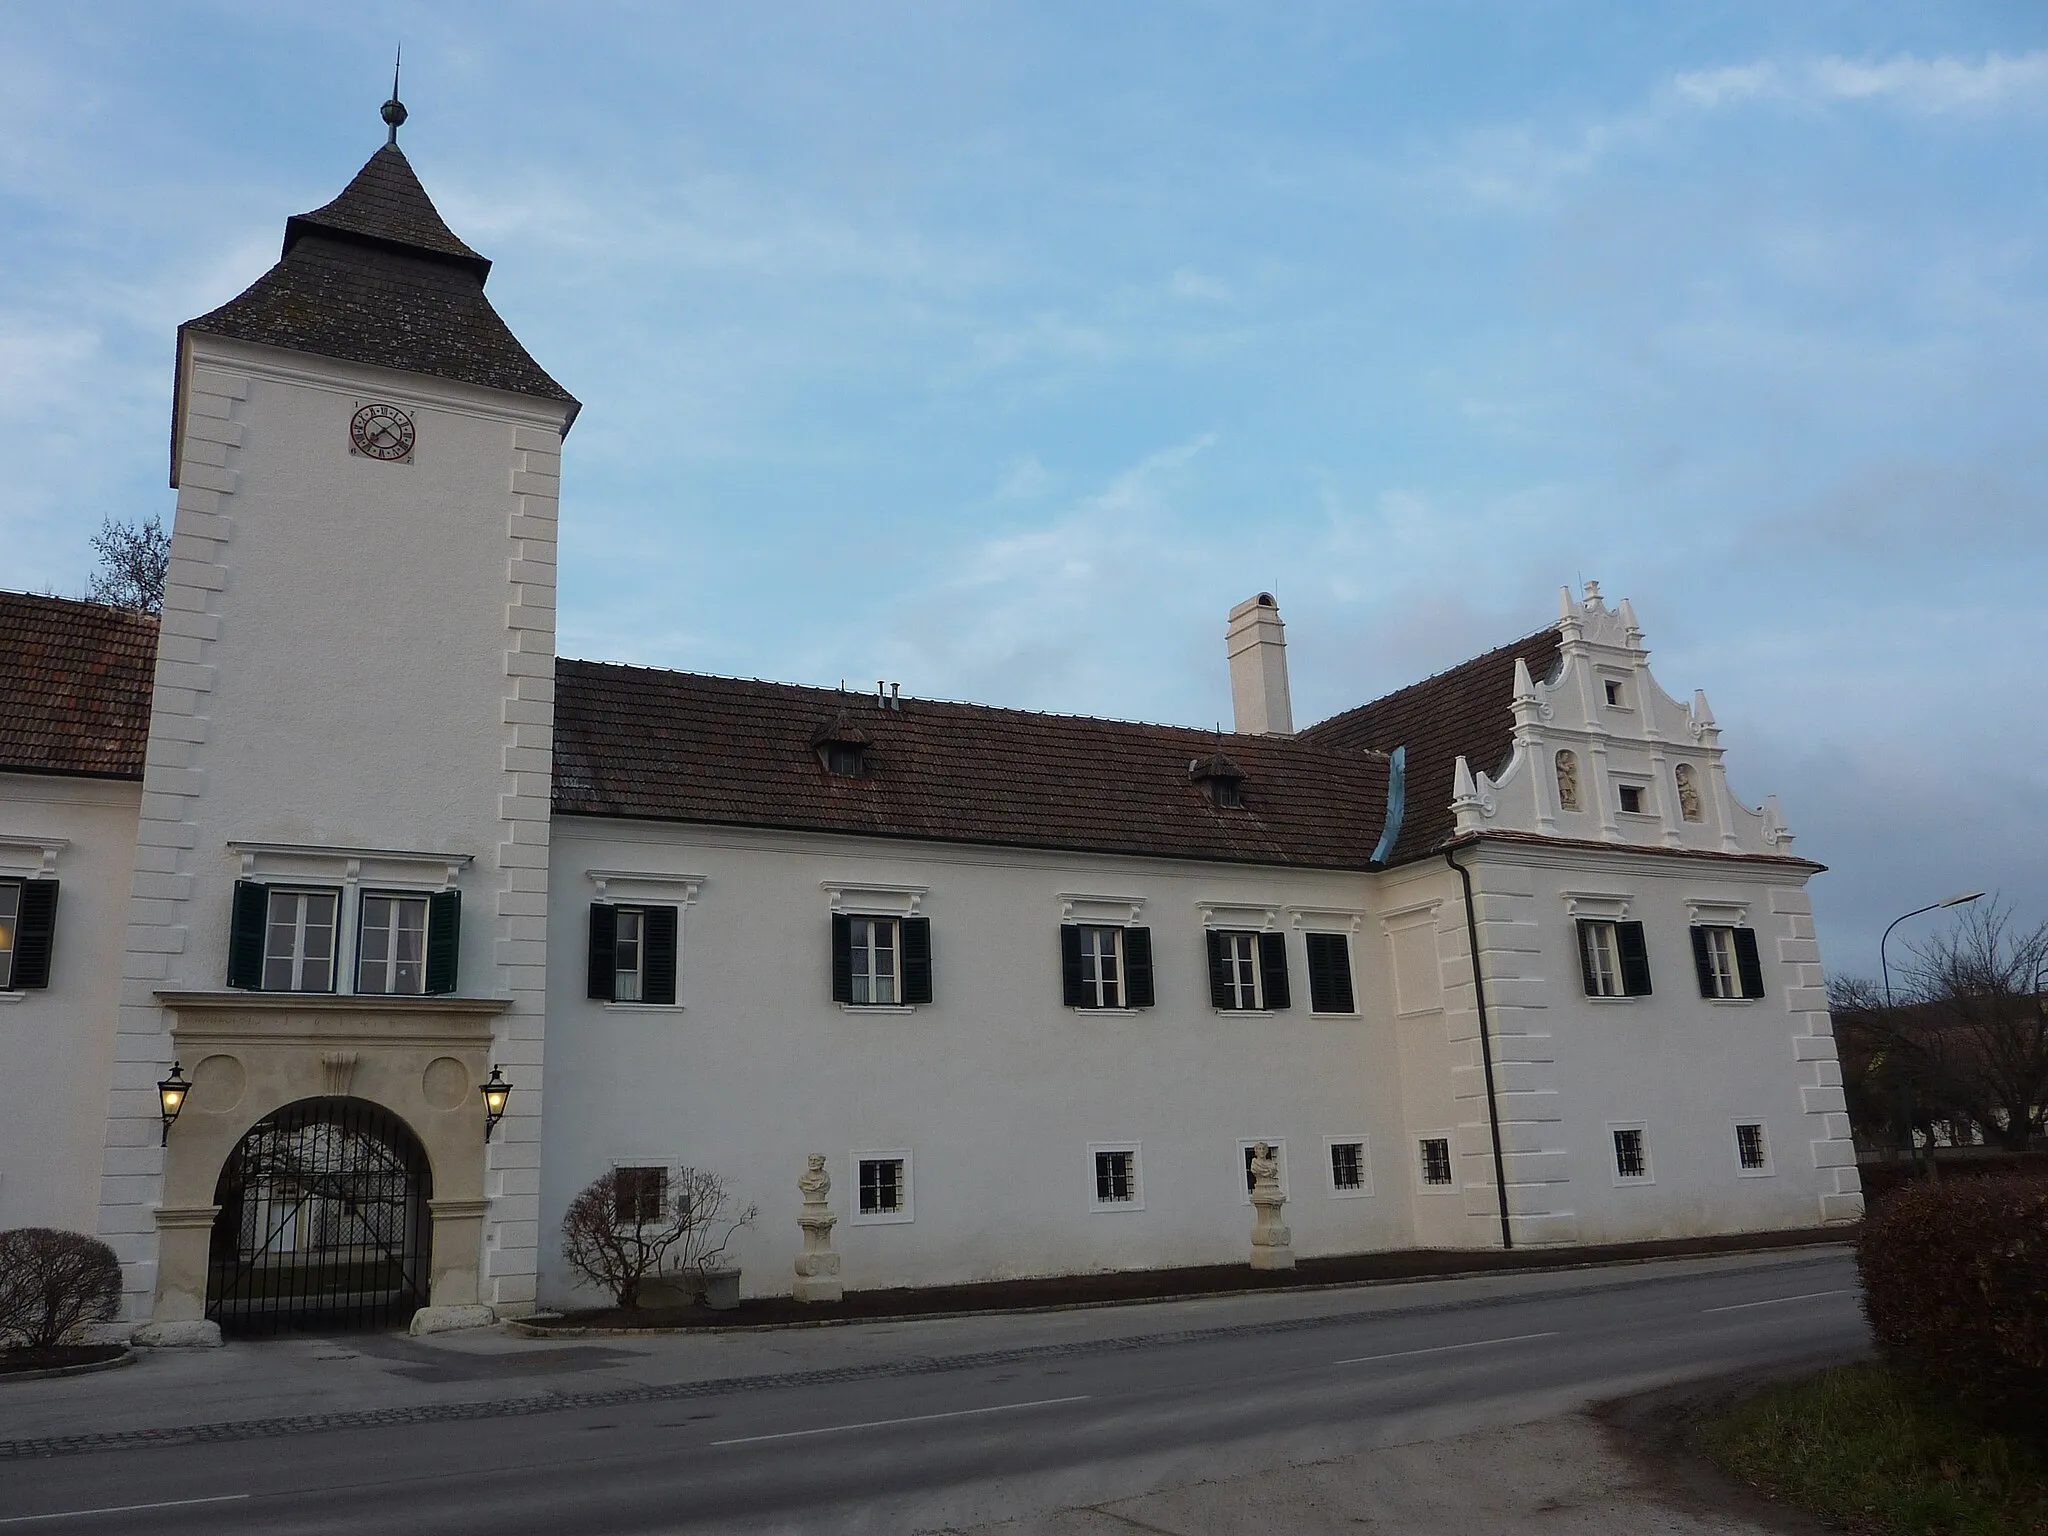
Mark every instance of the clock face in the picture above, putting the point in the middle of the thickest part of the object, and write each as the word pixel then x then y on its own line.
pixel 381 431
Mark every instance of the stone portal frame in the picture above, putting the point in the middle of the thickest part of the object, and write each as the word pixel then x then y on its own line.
pixel 251 1053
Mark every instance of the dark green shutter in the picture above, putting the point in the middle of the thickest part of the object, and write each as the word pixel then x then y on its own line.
pixel 1220 994
pixel 917 960
pixel 603 979
pixel 1703 961
pixel 1273 971
pixel 1635 959
pixel 1749 963
pixel 444 940
pixel 1586 972
pixel 658 928
pixel 1072 992
pixel 842 958
pixel 1329 973
pixel 246 934
pixel 1137 967
pixel 35 935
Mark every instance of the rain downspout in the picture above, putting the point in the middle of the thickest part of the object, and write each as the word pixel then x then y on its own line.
pixel 1500 1176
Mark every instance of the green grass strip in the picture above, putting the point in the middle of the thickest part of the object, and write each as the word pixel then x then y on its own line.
pixel 1859 1446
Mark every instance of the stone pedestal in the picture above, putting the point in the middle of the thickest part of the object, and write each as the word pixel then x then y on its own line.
pixel 817 1267
pixel 1271 1241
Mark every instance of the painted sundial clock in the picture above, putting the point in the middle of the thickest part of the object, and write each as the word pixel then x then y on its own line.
pixel 381 431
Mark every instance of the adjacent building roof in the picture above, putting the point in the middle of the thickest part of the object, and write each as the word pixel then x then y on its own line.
pixel 676 746
pixel 1466 712
pixel 377 277
pixel 75 681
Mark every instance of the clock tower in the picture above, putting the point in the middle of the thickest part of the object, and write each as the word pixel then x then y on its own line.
pixel 337 917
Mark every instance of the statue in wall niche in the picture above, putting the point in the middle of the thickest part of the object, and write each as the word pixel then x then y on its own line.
pixel 1689 793
pixel 1568 781
pixel 817 1267
pixel 1272 1243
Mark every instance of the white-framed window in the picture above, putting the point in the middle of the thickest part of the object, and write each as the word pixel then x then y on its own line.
pixel 1631 798
pixel 1729 964
pixel 1240 970
pixel 629 954
pixel 639 1195
pixel 391 944
pixel 1117 1178
pixel 876 973
pixel 298 943
pixel 1248 1146
pixel 1719 976
pixel 882 1191
pixel 1752 1149
pixel 1349 1162
pixel 1102 966
pixel 1614 958
pixel 1630 1144
pixel 10 920
pixel 1433 1167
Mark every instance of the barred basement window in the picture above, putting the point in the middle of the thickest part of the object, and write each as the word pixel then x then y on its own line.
pixel 1116 1178
pixel 639 1196
pixel 1436 1161
pixel 1750 1150
pixel 1631 1153
pixel 1347 1166
pixel 884 1183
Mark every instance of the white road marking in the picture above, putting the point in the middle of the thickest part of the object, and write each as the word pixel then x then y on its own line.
pixel 122 1509
pixel 1739 1306
pixel 916 1418
pixel 1439 1349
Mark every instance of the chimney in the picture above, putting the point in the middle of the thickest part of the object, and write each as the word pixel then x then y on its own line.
pixel 1258 668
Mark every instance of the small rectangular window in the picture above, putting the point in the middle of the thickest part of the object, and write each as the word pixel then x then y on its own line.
pixel 639 1196
pixel 1751 1152
pixel 1436 1161
pixel 1116 1177
pixel 874 961
pixel 884 1188
pixel 1101 967
pixel 1613 686
pixel 1632 799
pixel 1347 1167
pixel 1631 1153
pixel 298 945
pixel 10 918
pixel 391 946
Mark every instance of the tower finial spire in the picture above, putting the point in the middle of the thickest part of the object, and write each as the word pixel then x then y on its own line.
pixel 394 109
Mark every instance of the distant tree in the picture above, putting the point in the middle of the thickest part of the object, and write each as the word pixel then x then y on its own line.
pixel 52 1282
pixel 632 1224
pixel 1979 984
pixel 132 560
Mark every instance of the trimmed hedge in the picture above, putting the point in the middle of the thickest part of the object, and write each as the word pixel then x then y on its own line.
pixel 1880 1179
pixel 1955 1284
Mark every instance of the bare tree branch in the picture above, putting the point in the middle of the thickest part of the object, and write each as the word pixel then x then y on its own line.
pixel 133 561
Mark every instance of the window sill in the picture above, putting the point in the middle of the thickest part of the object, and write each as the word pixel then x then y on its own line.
pixel 12 997
pixel 878 1219
pixel 1622 999
pixel 643 1007
pixel 1732 1002
pixel 1353 1014
pixel 1642 1182
pixel 879 1008
pixel 1756 1173
pixel 1350 1194
pixel 1114 1013
pixel 1110 1207
pixel 1243 1013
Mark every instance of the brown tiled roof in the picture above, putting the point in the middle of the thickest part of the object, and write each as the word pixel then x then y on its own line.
pixel 74 686
pixel 1465 712
pixel 376 277
pixel 678 746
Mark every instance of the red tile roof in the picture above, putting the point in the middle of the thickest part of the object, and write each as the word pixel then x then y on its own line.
pixel 631 741
pixel 1466 712
pixel 75 682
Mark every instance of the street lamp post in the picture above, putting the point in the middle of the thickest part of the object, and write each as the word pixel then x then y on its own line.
pixel 1960 899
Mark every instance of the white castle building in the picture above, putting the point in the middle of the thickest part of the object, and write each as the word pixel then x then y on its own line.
pixel 1497 959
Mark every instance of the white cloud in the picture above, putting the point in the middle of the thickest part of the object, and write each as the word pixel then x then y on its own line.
pixel 1932 86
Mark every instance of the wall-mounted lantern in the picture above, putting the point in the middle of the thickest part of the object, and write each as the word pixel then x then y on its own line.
pixel 170 1095
pixel 496 1092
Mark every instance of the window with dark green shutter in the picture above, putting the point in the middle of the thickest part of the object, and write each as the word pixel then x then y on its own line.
pixel 283 938
pixel 1614 958
pixel 1727 961
pixel 1137 944
pixel 1329 973
pixel 881 962
pixel 1273 988
pixel 603 975
pixel 634 954
pixel 1247 970
pixel 444 942
pixel 661 929
pixel 28 933
pixel 916 934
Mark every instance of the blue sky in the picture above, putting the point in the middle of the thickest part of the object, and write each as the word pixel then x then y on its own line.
pixel 999 349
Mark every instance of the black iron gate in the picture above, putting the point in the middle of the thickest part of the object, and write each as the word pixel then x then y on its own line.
pixel 323 1222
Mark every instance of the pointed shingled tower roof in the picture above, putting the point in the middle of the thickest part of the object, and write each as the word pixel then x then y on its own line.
pixel 386 206
pixel 376 276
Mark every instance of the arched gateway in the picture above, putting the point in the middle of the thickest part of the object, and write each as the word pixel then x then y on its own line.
pixel 323 1222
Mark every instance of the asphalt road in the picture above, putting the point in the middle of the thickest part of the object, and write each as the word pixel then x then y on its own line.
pixel 930 1444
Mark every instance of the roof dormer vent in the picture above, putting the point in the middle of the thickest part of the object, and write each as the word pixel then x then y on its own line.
pixel 842 747
pixel 1221 779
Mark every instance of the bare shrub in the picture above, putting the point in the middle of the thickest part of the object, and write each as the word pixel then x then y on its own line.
pixel 133 559
pixel 52 1282
pixel 631 1224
